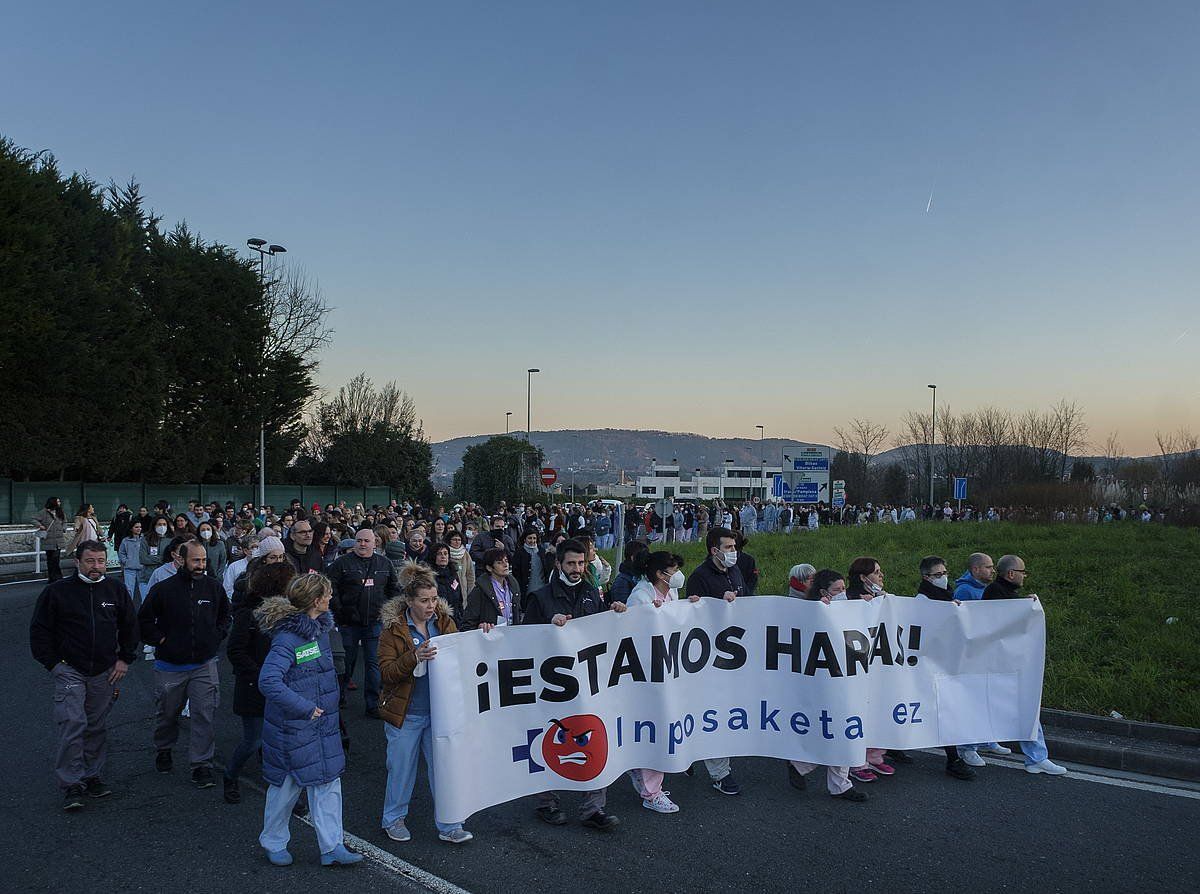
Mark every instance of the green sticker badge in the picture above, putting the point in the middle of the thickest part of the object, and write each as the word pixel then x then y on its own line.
pixel 308 652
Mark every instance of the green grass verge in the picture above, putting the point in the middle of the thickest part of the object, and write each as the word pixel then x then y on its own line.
pixel 1107 591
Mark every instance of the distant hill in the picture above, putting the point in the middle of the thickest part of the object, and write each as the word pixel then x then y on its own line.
pixel 601 454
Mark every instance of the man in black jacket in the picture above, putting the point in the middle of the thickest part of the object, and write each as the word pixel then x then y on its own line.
pixel 1011 575
pixel 185 617
pixel 718 577
pixel 300 550
pixel 496 537
pixel 84 631
pixel 362 582
pixel 569 596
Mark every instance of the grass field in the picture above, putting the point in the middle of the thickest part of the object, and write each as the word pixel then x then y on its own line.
pixel 1107 592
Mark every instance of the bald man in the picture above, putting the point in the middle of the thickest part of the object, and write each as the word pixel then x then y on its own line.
pixel 1010 577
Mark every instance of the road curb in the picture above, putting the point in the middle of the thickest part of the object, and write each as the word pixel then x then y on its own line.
pixel 1131 729
pixel 1155 749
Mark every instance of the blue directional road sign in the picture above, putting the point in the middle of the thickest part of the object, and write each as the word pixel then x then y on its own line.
pixel 960 488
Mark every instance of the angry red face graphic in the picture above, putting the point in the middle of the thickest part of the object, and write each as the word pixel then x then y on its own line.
pixel 576 747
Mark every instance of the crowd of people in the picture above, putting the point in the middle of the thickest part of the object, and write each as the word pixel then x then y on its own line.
pixel 302 598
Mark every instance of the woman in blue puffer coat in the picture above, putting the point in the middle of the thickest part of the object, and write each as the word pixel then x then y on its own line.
pixel 301 745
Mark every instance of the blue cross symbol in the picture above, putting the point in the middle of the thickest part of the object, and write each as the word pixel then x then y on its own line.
pixel 525 752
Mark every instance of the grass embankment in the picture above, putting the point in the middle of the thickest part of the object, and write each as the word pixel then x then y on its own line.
pixel 1107 591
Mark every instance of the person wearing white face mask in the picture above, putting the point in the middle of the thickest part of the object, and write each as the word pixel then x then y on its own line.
pixel 935 582
pixel 566 597
pixel 866 583
pixel 206 531
pixel 660 577
pixel 826 586
pixel 718 577
pixel 153 551
pixel 935 585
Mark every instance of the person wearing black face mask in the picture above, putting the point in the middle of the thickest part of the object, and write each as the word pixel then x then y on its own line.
pixel 494 538
pixel 185 617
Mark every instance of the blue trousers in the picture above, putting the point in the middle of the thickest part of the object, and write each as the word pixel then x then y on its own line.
pixel 252 728
pixel 369 637
pixel 404 745
pixel 132 577
pixel 1036 750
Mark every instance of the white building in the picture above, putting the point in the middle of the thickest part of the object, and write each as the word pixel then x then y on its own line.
pixel 732 482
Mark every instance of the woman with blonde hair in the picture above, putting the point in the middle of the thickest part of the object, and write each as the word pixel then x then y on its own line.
pixel 301 744
pixel 410 622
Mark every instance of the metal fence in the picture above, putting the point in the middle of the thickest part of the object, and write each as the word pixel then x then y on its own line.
pixel 20 500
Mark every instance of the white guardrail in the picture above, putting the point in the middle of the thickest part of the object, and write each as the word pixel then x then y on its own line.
pixel 22 537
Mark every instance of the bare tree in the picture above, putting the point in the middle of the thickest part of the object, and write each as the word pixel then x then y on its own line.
pixel 297 310
pixel 861 437
pixel 1072 431
pixel 914 441
pixel 1037 436
pixel 1114 454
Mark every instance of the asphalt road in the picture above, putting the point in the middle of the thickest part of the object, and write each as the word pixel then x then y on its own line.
pixel 921 831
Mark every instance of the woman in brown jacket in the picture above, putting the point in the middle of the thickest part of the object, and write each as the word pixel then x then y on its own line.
pixel 410 621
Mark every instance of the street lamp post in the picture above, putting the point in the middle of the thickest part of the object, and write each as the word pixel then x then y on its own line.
pixel 932 440
pixel 529 400
pixel 272 250
pixel 762 460
pixel 507 417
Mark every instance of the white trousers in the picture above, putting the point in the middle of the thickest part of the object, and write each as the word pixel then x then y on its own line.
pixel 325 808
pixel 837 778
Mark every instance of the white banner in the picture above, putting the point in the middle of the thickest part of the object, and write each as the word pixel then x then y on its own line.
pixel 527 709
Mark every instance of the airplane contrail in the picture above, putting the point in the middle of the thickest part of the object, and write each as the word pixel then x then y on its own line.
pixel 929 204
pixel 1182 335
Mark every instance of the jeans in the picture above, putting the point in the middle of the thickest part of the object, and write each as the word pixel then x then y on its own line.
pixel 369 637
pixel 131 576
pixel 1036 750
pixel 252 728
pixel 405 744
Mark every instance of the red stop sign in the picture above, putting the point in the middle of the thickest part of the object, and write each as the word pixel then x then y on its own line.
pixel 549 476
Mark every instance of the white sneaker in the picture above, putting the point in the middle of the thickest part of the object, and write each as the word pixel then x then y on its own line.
pixel 660 803
pixel 456 836
pixel 1047 766
pixel 972 759
pixel 995 748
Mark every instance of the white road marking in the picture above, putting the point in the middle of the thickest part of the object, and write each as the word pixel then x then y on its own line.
pixel 387 860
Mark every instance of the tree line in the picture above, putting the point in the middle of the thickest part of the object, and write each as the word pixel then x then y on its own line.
pixel 132 351
pixel 1011 458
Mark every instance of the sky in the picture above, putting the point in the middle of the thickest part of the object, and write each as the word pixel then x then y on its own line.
pixel 691 216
